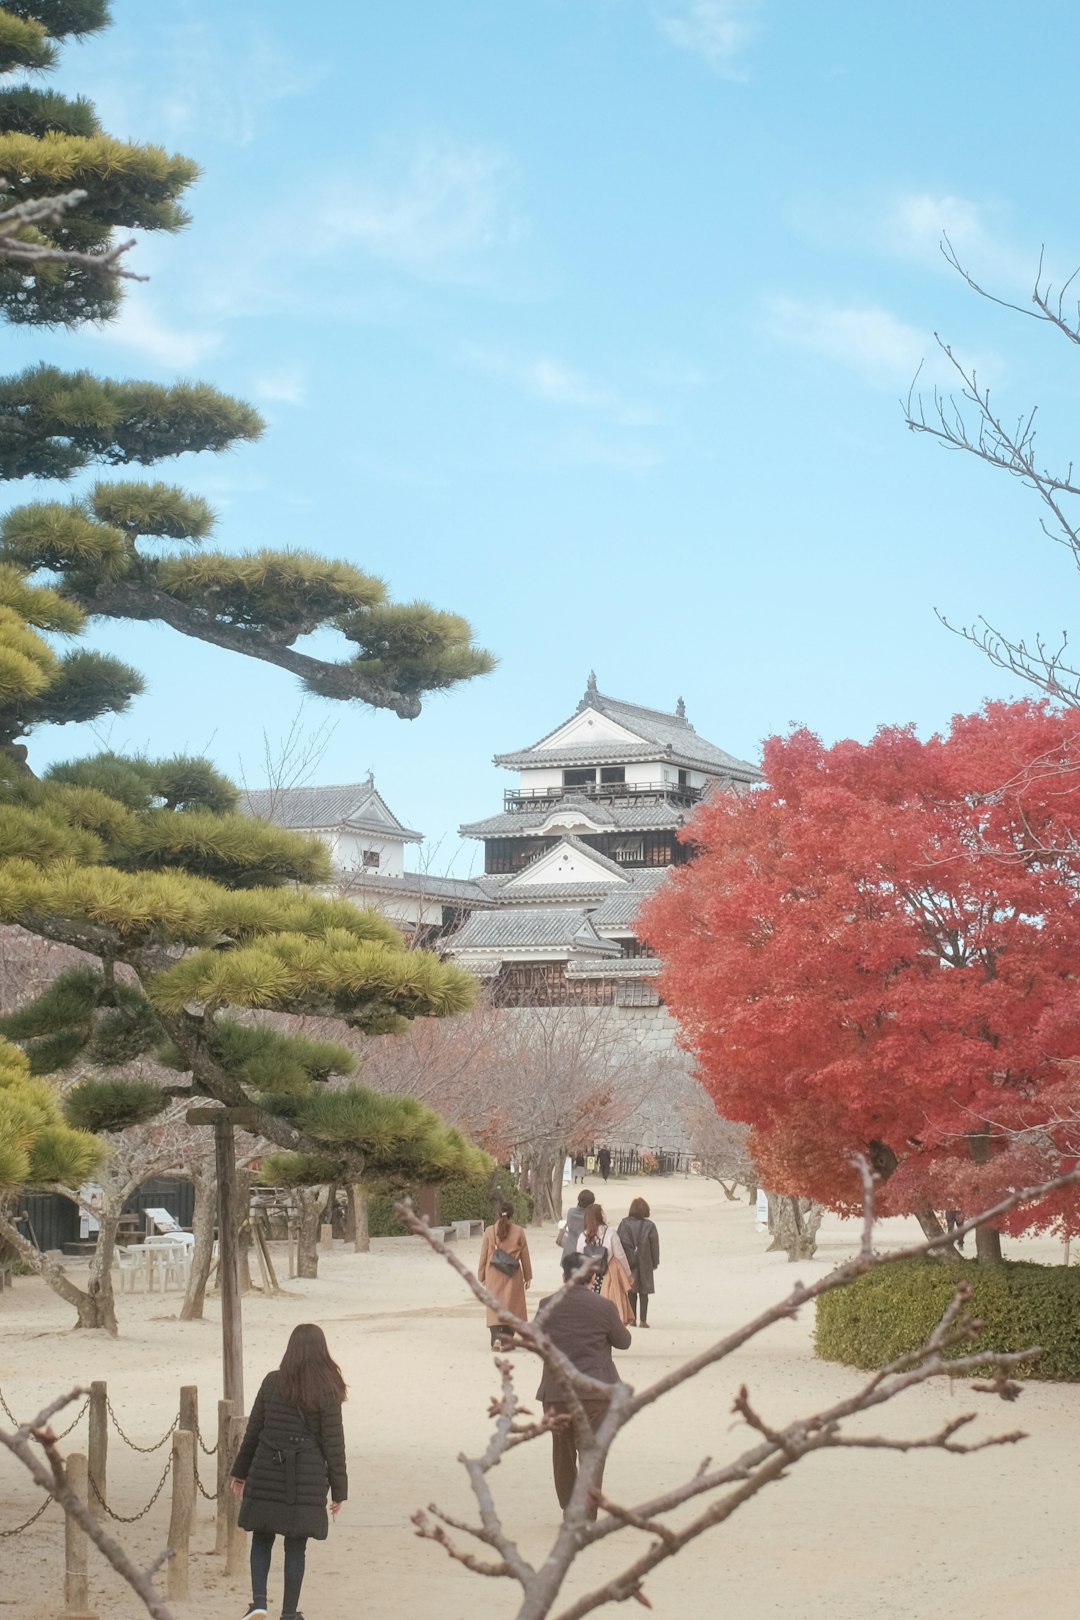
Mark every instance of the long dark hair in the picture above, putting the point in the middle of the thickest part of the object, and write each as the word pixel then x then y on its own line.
pixel 310 1377
pixel 594 1220
pixel 504 1223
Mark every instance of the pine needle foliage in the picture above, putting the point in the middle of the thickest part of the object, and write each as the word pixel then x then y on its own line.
pixel 199 916
pixel 400 1139
pixel 113 1105
pixel 37 1146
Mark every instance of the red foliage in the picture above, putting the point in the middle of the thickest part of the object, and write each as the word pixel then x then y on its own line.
pixel 882 943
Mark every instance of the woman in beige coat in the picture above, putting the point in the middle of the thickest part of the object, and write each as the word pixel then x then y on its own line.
pixel 505 1270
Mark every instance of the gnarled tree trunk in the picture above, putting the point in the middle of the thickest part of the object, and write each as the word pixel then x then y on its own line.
pixel 312 1202
pixel 202 1253
pixel 794 1224
pixel 987 1239
pixel 357 1229
pixel 92 1312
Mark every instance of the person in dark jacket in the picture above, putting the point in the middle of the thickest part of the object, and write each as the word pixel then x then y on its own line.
pixel 641 1241
pixel 584 1327
pixel 603 1159
pixel 293 1452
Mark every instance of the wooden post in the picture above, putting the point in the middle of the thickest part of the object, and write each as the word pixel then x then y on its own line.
pixel 235 1550
pixel 189 1420
pixel 224 1463
pixel 98 1444
pixel 232 1332
pixel 292 1239
pixel 76 1587
pixel 183 1509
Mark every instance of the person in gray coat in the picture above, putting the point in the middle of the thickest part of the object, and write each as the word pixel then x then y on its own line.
pixel 641 1241
pixel 585 1328
pixel 573 1226
pixel 292 1453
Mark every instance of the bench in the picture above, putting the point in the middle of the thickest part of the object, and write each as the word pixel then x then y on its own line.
pixel 468 1229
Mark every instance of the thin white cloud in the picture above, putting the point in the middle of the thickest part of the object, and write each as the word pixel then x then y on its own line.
pixel 285 387
pixel 913 224
pixel 550 380
pixel 224 85
pixel 872 341
pixel 716 31
pixel 432 209
pixel 139 327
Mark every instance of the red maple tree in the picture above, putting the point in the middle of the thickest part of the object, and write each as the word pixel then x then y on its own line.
pixel 880 950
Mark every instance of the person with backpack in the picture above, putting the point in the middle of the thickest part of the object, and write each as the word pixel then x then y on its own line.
pixel 570 1228
pixel 641 1241
pixel 292 1453
pixel 505 1269
pixel 600 1244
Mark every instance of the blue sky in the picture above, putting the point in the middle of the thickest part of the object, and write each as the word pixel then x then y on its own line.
pixel 590 319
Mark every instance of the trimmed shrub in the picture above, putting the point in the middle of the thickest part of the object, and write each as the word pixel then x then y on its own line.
pixel 462 1198
pixel 893 1309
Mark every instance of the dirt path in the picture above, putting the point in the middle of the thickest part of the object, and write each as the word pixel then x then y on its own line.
pixel 856 1536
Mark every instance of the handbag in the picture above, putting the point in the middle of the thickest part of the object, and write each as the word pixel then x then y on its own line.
pixel 506 1263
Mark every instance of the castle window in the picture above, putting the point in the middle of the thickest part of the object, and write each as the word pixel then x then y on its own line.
pixel 580 777
pixel 370 859
pixel 613 773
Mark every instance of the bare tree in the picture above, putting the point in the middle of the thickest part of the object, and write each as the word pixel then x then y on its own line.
pixel 719 1146
pixel 531 1084
pixel 712 1492
pixel 969 420
pixel 136 1154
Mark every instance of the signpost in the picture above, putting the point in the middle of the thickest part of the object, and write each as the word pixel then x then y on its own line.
pixel 224 1121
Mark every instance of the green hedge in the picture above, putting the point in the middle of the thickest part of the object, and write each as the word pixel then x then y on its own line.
pixel 463 1198
pixel 893 1309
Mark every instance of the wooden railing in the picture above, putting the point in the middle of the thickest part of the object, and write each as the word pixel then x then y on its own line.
pixel 533 798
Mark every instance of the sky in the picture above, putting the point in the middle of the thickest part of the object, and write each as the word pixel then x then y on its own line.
pixel 592 320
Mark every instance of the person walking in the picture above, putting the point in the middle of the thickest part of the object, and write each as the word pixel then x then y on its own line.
pixel 596 1234
pixel 570 1229
pixel 577 1168
pixel 603 1159
pixel 641 1241
pixel 506 1270
pixel 585 1328
pixel 292 1453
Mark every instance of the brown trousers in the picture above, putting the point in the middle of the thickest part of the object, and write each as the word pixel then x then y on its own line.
pixel 566 1447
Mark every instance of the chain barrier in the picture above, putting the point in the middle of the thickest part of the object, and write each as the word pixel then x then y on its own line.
pixel 76 1420
pixel 146 1450
pixel 19 1528
pixel 211 1496
pixel 208 1451
pixel 121 1518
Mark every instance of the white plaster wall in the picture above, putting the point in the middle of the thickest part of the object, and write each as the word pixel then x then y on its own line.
pixel 347 855
pixel 589 726
pixel 533 781
pixel 560 865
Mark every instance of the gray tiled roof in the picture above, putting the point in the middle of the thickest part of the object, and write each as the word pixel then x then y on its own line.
pixel 623 967
pixel 355 805
pixel 549 891
pixel 667 736
pixel 621 906
pixel 558 931
pixel 421 884
pixel 605 818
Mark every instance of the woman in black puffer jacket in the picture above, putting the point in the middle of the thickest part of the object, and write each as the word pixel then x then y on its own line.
pixel 292 1453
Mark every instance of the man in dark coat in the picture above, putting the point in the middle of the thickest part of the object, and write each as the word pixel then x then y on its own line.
pixel 585 1327
pixel 603 1159
pixel 574 1224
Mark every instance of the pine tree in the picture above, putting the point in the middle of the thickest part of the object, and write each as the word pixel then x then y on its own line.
pixel 197 917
